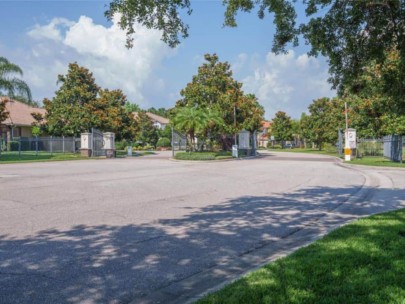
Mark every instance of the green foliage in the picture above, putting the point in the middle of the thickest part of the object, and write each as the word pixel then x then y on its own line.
pixel 131 107
pixel 109 114
pixel 281 127
pixel 164 142
pixel 148 134
pixel 202 155
pixel 162 15
pixel 351 34
pixel 80 105
pixel 213 93
pixel 3 112
pixel 161 111
pixel 121 145
pixel 68 113
pixel 166 132
pixel 9 84
pixel 323 123
pixel 393 124
pixel 36 131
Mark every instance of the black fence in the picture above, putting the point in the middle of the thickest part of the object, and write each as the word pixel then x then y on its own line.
pixel 37 145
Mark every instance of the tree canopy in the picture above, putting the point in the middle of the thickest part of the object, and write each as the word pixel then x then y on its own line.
pixel 350 33
pixel 213 89
pixel 10 85
pixel 80 104
pixel 3 110
pixel 282 127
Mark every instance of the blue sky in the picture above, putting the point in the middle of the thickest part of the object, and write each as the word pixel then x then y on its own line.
pixel 43 37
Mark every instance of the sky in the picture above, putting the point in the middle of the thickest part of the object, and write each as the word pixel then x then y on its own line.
pixel 43 37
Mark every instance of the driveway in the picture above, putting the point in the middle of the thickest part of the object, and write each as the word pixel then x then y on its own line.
pixel 143 231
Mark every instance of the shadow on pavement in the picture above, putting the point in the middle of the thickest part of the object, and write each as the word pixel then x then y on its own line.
pixel 117 264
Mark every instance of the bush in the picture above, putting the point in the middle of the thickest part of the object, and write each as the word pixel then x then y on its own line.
pixel 147 148
pixel 195 156
pixel 203 155
pixel 121 145
pixel 12 146
pixel 163 142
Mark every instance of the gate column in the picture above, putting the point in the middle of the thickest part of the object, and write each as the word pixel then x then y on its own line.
pixel 109 144
pixel 85 144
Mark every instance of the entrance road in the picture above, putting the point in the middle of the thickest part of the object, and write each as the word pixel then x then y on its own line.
pixel 145 230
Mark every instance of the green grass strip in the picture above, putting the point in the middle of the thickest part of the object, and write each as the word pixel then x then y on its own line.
pixel 203 155
pixel 363 262
pixel 7 157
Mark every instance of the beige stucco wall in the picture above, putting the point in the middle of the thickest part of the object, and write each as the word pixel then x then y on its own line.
pixel 26 131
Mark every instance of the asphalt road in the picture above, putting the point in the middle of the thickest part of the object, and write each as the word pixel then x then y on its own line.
pixel 148 230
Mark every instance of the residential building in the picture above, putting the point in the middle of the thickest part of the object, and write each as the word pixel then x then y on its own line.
pixel 19 121
pixel 158 121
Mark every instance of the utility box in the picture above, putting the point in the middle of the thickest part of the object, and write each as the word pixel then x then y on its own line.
pixel 129 149
pixel 235 151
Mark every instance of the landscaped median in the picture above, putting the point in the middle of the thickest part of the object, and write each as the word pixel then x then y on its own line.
pixel 203 155
pixel 363 262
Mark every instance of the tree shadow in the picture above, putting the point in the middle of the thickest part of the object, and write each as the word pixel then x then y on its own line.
pixel 117 264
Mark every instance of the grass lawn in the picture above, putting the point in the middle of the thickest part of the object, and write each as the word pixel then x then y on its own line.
pixel 14 157
pixel 363 262
pixel 366 160
pixel 203 155
pixel 308 150
pixel 376 161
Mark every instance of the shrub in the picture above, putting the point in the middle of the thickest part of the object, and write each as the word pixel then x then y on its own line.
pixel 147 147
pixel 12 146
pixel 203 155
pixel 163 142
pixel 121 145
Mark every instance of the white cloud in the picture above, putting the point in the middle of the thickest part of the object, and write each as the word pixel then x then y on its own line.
pixel 99 48
pixel 284 82
pixel 50 31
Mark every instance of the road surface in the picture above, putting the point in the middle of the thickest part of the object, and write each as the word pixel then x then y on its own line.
pixel 149 230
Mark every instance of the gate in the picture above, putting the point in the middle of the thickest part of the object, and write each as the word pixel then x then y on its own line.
pixel 179 141
pixel 97 143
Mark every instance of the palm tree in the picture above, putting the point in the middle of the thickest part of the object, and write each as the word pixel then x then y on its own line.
pixel 189 120
pixel 12 86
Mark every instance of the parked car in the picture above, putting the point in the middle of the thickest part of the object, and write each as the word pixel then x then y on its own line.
pixel 288 146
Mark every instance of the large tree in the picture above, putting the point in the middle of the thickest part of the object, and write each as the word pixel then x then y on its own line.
pixel 281 127
pixel 350 33
pixel 147 132
pixel 108 113
pixel 68 112
pixel 320 126
pixel 10 85
pixel 214 90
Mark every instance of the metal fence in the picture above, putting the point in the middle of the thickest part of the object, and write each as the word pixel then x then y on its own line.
pixel 37 145
pixel 391 147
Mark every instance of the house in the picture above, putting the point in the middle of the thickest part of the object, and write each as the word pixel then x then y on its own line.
pixel 158 121
pixel 19 121
pixel 263 135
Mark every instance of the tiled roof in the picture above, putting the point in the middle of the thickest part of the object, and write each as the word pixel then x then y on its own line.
pixel 153 117
pixel 20 113
pixel 266 124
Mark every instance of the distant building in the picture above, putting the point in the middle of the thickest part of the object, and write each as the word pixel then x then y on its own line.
pixel 158 121
pixel 263 134
pixel 19 121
